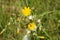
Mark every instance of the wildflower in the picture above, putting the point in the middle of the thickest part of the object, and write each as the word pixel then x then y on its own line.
pixel 28 31
pixel 31 26
pixel 38 20
pixel 31 17
pixel 26 11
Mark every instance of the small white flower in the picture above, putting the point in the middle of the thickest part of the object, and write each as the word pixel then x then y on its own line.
pixel 31 17
pixel 38 20
pixel 28 31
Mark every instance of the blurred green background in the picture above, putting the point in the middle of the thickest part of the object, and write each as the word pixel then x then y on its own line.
pixel 10 10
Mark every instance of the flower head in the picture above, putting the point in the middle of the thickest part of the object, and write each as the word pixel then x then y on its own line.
pixel 30 17
pixel 26 11
pixel 38 20
pixel 31 26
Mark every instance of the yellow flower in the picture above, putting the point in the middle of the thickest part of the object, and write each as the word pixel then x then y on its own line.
pixel 31 26
pixel 26 11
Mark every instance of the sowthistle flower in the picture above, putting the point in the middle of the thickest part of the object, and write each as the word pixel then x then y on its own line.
pixel 26 11
pixel 32 26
